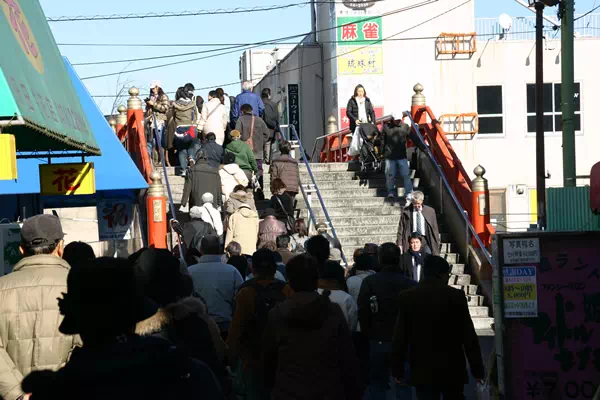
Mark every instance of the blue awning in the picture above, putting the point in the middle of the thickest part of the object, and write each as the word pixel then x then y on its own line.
pixel 114 168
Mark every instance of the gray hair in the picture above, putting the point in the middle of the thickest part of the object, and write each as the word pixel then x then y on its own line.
pixel 246 85
pixel 417 195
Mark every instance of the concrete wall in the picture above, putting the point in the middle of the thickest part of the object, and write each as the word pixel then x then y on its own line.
pixel 509 158
pixel 308 77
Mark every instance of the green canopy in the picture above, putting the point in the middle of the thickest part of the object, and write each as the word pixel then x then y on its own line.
pixel 38 103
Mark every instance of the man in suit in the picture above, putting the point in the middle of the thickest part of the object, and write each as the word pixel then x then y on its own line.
pixel 421 219
pixel 434 322
pixel 412 260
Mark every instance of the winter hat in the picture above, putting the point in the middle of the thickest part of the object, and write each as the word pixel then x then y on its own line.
pixel 207 198
pixel 154 84
pixel 196 212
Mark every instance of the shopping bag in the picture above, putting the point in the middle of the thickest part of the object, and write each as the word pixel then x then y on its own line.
pixel 356 144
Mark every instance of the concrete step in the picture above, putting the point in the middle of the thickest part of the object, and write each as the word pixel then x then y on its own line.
pixel 468 289
pixel 366 230
pixel 352 242
pixel 483 324
pixel 479 311
pixel 475 301
pixel 458 269
pixel 347 203
pixel 344 221
pixel 461 280
pixel 344 212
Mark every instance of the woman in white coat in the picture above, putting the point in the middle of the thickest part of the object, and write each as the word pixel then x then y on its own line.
pixel 213 117
pixel 231 175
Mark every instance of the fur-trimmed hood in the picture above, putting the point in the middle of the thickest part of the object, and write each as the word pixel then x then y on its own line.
pixel 173 312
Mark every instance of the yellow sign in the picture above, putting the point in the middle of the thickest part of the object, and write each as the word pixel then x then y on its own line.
pixel 8 157
pixel 23 33
pixel 362 61
pixel 67 179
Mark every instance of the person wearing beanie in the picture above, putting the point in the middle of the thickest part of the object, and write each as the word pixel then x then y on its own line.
pixel 244 157
pixel 102 304
pixel 29 334
pixel 208 213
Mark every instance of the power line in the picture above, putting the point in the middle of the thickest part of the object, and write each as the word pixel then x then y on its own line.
pixel 587 13
pixel 279 43
pixel 258 44
pixel 338 55
pixel 237 10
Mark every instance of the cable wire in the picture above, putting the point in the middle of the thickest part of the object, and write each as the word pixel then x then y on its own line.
pixel 258 44
pixel 587 13
pixel 339 55
pixel 195 13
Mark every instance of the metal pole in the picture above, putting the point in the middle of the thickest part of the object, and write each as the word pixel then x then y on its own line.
pixel 539 116
pixel 567 93
pixel 313 21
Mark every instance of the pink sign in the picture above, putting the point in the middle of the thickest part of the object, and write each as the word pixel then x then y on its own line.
pixel 557 354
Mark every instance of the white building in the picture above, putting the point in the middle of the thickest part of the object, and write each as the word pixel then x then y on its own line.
pixel 391 45
pixel 256 63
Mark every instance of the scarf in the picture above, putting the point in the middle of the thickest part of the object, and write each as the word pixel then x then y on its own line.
pixel 418 256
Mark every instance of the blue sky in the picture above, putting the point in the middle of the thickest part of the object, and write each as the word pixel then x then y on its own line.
pixel 232 28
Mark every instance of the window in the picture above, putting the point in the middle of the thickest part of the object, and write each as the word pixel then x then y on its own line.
pixel 552 108
pixel 489 110
pixel 498 209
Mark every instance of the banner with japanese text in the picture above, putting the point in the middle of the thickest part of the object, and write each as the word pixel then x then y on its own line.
pixel 547 302
pixel 361 61
pixel 115 219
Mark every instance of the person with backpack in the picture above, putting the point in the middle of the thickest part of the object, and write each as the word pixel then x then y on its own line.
pixel 185 139
pixel 377 313
pixel 255 133
pixel 255 299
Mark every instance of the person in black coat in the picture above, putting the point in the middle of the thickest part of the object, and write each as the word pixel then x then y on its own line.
pixel 282 203
pixel 434 322
pixel 413 259
pixel 214 151
pixel 377 311
pixel 201 179
pixel 271 118
pixel 359 109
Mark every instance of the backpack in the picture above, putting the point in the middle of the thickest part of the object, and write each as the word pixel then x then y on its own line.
pixel 267 297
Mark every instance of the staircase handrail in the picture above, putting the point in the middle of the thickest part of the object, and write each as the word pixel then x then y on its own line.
pixel 314 182
pixel 341 132
pixel 449 189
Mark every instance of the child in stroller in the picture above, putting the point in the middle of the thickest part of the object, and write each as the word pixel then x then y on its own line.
pixel 370 153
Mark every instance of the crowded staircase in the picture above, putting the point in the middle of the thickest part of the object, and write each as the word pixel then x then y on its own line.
pixel 361 213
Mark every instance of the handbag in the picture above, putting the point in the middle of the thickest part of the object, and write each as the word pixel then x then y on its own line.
pixel 356 144
pixel 290 220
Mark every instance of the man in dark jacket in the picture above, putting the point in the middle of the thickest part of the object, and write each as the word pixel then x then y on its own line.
pixel 214 150
pixel 286 168
pixel 421 219
pixel 246 97
pixel 434 322
pixel 395 134
pixel 250 319
pixel 271 118
pixel 254 132
pixel 103 304
pixel 308 350
pixel 377 311
pixel 202 179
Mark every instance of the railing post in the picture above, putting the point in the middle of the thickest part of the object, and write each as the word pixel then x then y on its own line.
pixel 331 129
pixel 138 150
pixel 121 124
pixel 480 212
pixel 418 102
pixel 113 124
pixel 156 207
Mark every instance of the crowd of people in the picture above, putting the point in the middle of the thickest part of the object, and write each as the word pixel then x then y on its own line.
pixel 271 316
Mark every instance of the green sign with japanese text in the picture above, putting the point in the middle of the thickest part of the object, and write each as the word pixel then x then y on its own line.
pixel 46 109
pixel 355 31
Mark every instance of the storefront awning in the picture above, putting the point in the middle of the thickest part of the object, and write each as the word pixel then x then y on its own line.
pixel 38 103
pixel 114 168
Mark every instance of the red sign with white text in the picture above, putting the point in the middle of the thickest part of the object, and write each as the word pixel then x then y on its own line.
pixel 345 121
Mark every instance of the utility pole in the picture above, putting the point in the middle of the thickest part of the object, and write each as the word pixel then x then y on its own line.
pixel 539 116
pixel 313 21
pixel 567 94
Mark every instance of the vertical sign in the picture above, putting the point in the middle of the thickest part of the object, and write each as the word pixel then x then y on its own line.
pixel 294 107
pixel 115 217
pixel 520 292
